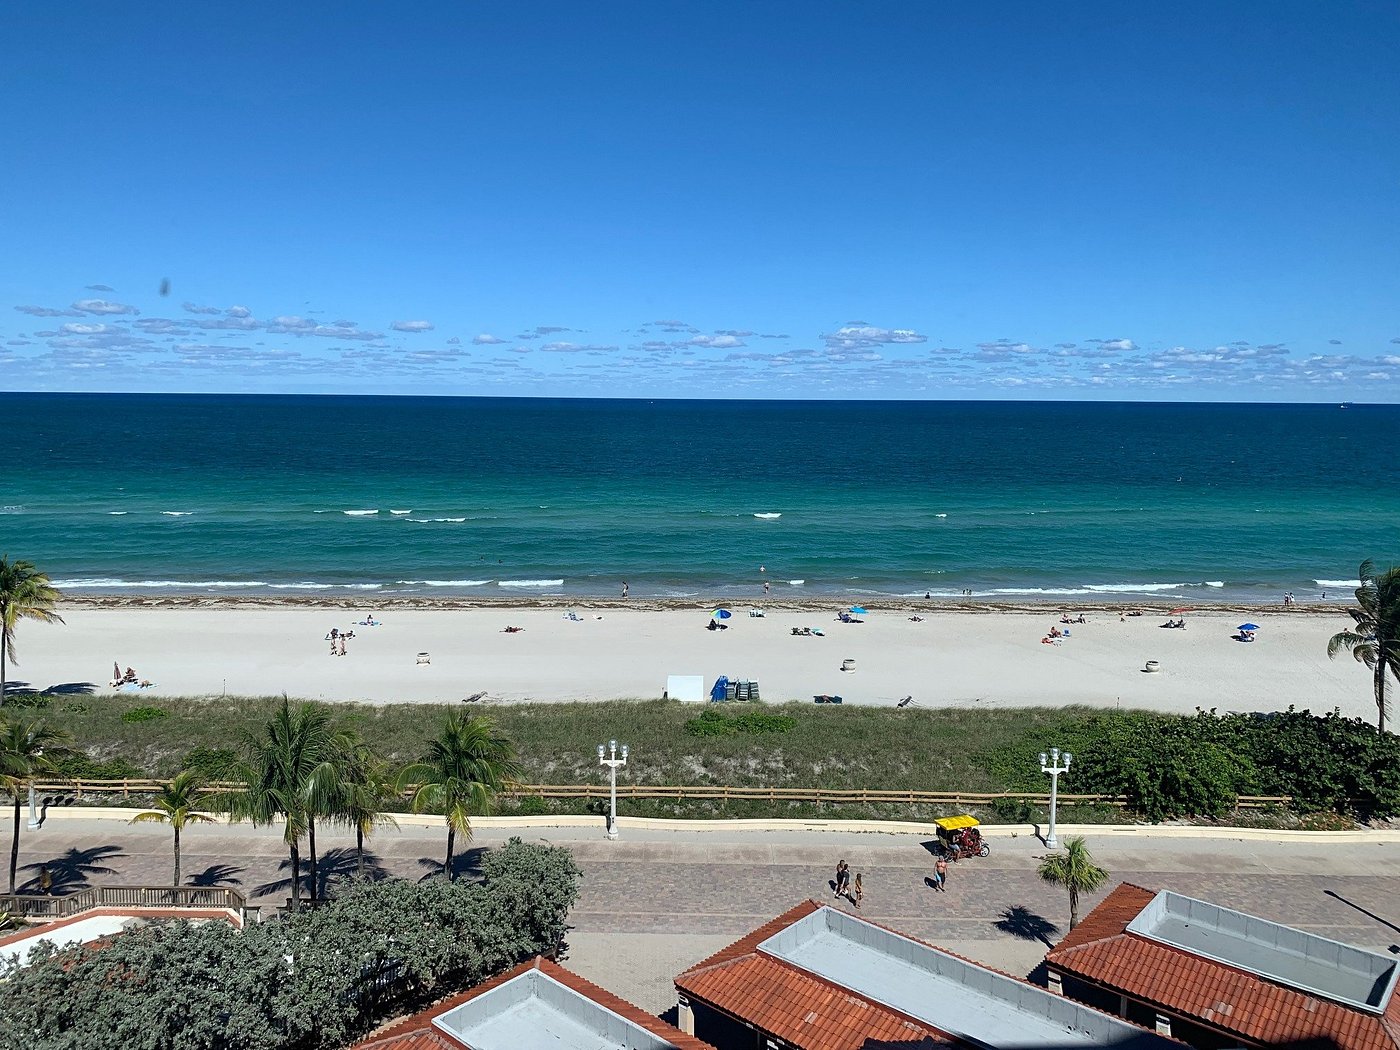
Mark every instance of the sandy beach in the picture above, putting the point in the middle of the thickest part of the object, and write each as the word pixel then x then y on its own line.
pixel 958 658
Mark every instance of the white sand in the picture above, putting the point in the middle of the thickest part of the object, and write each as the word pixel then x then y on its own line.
pixel 950 659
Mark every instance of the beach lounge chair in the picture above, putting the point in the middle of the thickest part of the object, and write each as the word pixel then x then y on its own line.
pixel 756 612
pixel 824 698
pixel 422 660
pixel 741 692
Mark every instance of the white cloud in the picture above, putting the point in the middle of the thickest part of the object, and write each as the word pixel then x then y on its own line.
pixel 412 326
pixel 858 336
pixel 486 339
pixel 102 306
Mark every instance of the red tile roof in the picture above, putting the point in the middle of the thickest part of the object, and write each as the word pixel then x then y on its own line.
pixel 1101 950
pixel 804 1010
pixel 417 1032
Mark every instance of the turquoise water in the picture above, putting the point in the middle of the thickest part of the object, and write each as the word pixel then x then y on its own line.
pixel 473 496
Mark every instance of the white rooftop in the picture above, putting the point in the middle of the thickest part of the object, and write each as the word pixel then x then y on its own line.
pixel 947 993
pixel 1306 962
pixel 535 1010
pixel 81 932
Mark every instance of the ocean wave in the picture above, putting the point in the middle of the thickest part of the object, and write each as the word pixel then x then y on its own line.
pixel 531 583
pixel 1338 583
pixel 326 586
pixel 768 517
pixel 1131 588
pixel 1215 583
pixel 14 508
pixel 105 581
pixel 796 583
pixel 401 512
pixel 177 513
pixel 118 513
pixel 940 515
pixel 445 583
pixel 425 521
pixel 360 513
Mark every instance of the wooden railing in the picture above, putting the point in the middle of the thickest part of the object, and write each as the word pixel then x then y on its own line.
pixel 127 787
pixel 35 907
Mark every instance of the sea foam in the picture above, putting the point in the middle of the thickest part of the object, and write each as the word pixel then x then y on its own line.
pixel 360 513
pixel 445 583
pixel 531 583
pixel 1338 583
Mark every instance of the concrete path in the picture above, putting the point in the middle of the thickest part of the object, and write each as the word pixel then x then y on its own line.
pixel 655 902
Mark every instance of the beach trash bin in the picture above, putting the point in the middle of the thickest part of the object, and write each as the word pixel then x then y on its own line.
pixel 1152 667
pixel 422 659
pixel 848 665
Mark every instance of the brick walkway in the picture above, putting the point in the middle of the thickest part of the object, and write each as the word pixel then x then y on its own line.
pixel 654 902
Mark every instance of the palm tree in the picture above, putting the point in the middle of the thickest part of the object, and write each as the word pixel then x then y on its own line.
pixel 175 805
pixel 290 773
pixel 26 750
pixel 1376 640
pixel 25 594
pixel 464 767
pixel 367 793
pixel 1075 870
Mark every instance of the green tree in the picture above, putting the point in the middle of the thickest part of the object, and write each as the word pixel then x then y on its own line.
pixel 25 594
pixel 1075 870
pixel 175 805
pixel 465 766
pixel 290 772
pixel 1376 640
pixel 367 796
pixel 26 750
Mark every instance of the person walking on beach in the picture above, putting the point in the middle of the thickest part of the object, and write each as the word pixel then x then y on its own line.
pixel 843 879
pixel 624 588
pixel 859 890
pixel 940 875
pixel 766 588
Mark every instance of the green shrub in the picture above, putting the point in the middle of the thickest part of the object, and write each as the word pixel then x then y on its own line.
pixel 33 701
pixel 211 763
pixel 712 722
pixel 80 766
pixel 532 806
pixel 144 714
pixel 317 981
pixel 73 709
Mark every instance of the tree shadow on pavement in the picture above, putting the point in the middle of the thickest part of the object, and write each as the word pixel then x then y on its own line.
pixel 342 864
pixel 217 875
pixel 72 869
pixel 1021 922
pixel 465 864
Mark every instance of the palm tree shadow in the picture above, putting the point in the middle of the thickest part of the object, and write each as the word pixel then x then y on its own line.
pixel 341 864
pixel 71 689
pixel 1021 922
pixel 72 869
pixel 465 864
pixel 217 875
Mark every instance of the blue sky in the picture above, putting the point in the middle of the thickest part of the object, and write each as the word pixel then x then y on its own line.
pixel 1187 201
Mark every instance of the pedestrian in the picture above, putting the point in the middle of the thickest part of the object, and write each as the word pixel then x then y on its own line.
pixel 859 890
pixel 624 588
pixel 940 875
pixel 45 880
pixel 843 879
pixel 766 588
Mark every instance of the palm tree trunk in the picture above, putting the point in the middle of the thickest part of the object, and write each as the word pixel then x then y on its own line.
pixel 14 845
pixel 1073 907
pixel 1381 696
pixel 359 851
pixel 4 648
pixel 311 853
pixel 177 856
pixel 296 878
pixel 447 866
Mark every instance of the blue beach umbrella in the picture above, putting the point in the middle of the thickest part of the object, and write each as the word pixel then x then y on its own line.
pixel 721 614
pixel 859 610
pixel 1247 627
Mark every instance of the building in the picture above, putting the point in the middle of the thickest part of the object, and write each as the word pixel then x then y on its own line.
pixel 537 1004
pixel 1217 978
pixel 817 978
pixel 100 924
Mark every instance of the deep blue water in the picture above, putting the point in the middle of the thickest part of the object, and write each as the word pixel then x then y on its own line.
pixel 233 494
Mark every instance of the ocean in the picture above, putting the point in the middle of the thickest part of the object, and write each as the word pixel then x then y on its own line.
pixel 285 495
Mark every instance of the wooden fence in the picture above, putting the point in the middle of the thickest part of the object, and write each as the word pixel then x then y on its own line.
pixel 126 787
pixel 42 908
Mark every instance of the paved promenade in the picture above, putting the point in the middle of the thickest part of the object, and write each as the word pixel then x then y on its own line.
pixel 655 901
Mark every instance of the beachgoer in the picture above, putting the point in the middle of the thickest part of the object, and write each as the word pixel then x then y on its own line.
pixel 859 890
pixel 843 876
pixel 341 643
pixel 624 588
pixel 130 675
pixel 116 672
pixel 766 587
pixel 940 875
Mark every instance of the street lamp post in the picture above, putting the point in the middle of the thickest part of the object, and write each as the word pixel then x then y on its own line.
pixel 34 824
pixel 1051 764
pixel 608 757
